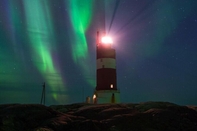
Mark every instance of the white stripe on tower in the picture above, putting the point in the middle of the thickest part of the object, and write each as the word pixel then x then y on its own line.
pixel 106 63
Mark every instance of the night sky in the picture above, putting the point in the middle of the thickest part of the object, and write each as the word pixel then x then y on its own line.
pixel 54 41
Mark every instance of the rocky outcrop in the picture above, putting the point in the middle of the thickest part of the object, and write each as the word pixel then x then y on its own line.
pixel 148 116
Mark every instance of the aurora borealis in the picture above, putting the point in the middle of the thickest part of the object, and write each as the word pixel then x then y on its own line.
pixel 54 42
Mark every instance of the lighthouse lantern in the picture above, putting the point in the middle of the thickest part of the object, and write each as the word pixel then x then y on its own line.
pixel 106 40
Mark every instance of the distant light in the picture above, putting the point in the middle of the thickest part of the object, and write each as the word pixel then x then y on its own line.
pixel 111 86
pixel 107 40
pixel 94 96
pixel 94 99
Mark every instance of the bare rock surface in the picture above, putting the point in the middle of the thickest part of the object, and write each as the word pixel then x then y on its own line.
pixel 148 116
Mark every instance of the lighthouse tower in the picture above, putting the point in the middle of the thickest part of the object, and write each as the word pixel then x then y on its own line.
pixel 106 86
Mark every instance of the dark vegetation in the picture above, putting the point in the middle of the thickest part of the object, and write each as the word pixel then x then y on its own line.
pixel 148 116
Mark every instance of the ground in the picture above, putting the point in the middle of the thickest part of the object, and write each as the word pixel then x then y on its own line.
pixel 147 116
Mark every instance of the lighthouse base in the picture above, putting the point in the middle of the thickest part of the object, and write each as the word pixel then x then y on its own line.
pixel 106 96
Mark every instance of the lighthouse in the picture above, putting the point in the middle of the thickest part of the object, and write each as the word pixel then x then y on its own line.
pixel 106 90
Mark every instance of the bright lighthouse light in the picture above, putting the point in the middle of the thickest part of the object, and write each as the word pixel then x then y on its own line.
pixel 106 40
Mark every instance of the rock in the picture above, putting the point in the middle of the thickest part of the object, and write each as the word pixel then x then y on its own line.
pixel 148 116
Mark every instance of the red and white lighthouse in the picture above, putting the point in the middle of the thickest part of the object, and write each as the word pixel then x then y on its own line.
pixel 106 85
